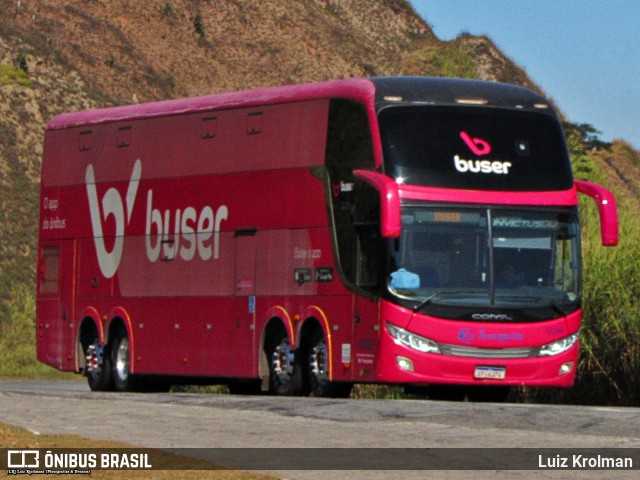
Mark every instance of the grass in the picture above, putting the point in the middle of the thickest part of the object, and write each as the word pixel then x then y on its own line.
pixel 9 74
pixel 17 339
pixel 610 361
pixel 181 467
pixel 448 59
pixel 453 61
pixel 611 354
pixel 609 364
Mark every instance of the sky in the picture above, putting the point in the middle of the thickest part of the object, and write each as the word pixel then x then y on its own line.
pixel 584 54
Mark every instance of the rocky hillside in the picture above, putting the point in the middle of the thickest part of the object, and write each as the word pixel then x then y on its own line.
pixel 58 56
pixel 137 51
pixel 623 165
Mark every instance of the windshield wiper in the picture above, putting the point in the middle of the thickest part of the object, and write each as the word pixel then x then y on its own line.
pixel 554 306
pixel 548 302
pixel 435 295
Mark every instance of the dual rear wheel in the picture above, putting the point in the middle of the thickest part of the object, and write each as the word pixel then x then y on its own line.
pixel 98 367
pixel 108 367
pixel 290 373
pixel 123 380
pixel 304 372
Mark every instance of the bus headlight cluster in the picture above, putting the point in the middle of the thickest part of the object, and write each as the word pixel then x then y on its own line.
pixel 411 340
pixel 559 346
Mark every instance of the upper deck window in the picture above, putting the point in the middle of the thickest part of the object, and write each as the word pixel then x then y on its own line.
pixel 474 148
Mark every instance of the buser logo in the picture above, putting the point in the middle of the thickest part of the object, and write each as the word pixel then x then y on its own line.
pixel 476 145
pixel 479 147
pixel 176 233
pixel 111 205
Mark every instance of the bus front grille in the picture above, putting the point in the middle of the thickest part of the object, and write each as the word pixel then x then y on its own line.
pixel 474 352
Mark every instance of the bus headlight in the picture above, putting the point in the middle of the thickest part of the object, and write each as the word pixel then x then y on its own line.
pixel 559 346
pixel 412 340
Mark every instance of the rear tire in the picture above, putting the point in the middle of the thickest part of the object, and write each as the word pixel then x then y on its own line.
pixel 123 380
pixel 285 375
pixel 318 372
pixel 98 366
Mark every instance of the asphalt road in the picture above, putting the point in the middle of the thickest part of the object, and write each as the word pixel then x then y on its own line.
pixel 176 420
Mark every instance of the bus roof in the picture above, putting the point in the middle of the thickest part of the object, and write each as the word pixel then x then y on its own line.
pixel 374 93
pixel 357 89
pixel 456 91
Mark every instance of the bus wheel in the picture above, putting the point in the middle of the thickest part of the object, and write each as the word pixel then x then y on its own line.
pixel 120 354
pixel 285 376
pixel 98 367
pixel 319 372
pixel 123 379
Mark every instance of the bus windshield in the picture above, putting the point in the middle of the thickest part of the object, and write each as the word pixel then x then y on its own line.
pixel 486 257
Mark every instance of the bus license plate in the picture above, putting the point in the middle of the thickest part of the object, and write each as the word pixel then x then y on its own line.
pixel 493 373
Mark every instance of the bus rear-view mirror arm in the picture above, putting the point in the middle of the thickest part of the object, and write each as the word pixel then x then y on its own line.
pixel 390 224
pixel 606 207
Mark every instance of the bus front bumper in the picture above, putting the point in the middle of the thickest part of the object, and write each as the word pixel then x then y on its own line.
pixel 401 364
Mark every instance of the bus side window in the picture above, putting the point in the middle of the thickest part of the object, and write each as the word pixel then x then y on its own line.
pixel 370 251
pixel 49 270
pixel 354 205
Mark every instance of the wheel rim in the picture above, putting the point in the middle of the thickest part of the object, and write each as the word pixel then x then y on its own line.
pixel 318 362
pixel 122 359
pixel 282 361
pixel 94 359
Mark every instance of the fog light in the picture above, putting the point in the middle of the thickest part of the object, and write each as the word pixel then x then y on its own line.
pixel 565 368
pixel 405 364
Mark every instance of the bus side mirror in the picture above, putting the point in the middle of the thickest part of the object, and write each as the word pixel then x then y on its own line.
pixel 606 207
pixel 390 224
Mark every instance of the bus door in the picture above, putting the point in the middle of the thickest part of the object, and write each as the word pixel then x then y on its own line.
pixel 369 261
pixel 242 339
pixel 54 331
pixel 365 338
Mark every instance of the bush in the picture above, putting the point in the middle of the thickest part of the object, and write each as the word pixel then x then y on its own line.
pixel 198 25
pixel 21 62
pixel 10 74
pixel 609 364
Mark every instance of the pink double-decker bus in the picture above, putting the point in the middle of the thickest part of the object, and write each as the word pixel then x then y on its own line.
pixel 300 239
